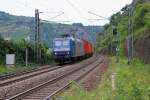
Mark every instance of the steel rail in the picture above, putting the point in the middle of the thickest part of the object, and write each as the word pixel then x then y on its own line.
pixel 60 90
pixel 4 83
pixel 36 88
pixel 8 76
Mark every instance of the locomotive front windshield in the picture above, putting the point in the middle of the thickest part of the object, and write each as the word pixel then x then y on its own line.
pixel 57 43
pixel 61 45
pixel 65 43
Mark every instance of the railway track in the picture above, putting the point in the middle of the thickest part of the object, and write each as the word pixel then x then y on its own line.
pixel 22 76
pixel 19 73
pixel 47 90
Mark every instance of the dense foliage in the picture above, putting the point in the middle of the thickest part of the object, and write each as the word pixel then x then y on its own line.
pixel 19 49
pixel 141 22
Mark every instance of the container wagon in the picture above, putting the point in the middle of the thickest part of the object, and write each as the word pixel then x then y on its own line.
pixel 69 48
pixel 88 48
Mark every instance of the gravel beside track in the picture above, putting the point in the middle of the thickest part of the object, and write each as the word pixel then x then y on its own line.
pixel 19 73
pixel 48 88
pixel 27 75
pixel 92 80
pixel 18 87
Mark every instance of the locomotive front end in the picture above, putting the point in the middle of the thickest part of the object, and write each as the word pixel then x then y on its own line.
pixel 61 49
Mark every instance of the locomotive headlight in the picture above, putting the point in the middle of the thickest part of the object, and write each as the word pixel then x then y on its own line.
pixel 55 53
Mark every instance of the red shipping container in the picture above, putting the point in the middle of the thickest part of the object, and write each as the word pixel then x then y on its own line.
pixel 88 49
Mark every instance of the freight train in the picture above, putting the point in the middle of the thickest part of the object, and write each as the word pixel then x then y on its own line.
pixel 70 48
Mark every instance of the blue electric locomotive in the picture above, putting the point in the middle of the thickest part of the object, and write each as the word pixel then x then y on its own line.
pixel 67 48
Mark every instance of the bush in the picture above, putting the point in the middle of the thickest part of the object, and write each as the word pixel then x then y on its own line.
pixel 19 49
pixel 142 15
pixel 141 22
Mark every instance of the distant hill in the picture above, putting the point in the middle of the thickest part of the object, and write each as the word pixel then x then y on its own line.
pixel 19 27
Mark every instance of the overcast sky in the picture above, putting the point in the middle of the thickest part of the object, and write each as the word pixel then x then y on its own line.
pixel 74 10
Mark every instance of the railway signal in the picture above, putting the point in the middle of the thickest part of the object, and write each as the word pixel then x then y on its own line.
pixel 37 49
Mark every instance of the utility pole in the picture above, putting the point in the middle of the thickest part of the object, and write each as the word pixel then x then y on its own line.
pixel 130 39
pixel 132 31
pixel 26 56
pixel 37 38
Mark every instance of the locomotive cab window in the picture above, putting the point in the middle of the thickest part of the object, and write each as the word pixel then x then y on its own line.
pixel 57 43
pixel 65 43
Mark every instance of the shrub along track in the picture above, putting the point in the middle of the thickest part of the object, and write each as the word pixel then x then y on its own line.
pixel 48 89
pixel 16 87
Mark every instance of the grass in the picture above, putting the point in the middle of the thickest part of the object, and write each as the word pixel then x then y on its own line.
pixel 2 69
pixel 132 83
pixel 16 68
pixel 6 70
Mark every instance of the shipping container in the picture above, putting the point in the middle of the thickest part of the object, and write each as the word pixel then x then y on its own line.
pixel 88 49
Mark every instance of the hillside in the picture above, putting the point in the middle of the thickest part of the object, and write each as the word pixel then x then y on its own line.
pixel 19 27
pixel 141 27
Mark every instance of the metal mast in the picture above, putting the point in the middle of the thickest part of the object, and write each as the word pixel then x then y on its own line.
pixel 37 38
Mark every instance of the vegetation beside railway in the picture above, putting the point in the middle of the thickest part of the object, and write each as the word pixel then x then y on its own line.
pixel 19 49
pixel 131 83
pixel 120 20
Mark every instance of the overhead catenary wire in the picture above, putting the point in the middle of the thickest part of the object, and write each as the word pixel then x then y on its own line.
pixel 26 4
pixel 83 9
pixel 78 8
pixel 52 19
pixel 98 15
pixel 49 11
pixel 45 21
pixel 80 14
pixel 57 15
